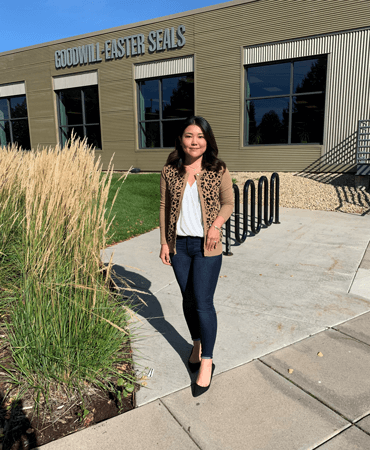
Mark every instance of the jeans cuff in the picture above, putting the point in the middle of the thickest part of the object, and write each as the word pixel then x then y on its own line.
pixel 206 357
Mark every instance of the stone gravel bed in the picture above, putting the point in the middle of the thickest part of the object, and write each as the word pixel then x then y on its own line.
pixel 320 191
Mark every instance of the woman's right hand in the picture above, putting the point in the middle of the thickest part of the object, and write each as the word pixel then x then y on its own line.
pixel 165 255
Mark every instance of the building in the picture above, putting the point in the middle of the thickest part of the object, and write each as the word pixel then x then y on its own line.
pixel 282 82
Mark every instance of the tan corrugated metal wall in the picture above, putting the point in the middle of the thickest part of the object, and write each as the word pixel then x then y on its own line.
pixel 216 37
pixel 164 67
pixel 347 84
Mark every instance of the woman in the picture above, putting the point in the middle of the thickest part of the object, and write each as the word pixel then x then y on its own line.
pixel 196 200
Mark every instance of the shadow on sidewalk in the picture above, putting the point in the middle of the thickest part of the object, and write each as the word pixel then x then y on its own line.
pixel 152 311
pixel 338 167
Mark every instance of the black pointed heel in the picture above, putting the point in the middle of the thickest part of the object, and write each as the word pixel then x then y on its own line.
pixel 199 390
pixel 193 367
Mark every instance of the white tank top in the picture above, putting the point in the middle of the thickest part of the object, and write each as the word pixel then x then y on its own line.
pixel 190 221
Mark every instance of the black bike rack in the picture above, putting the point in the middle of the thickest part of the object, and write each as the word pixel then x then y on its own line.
pixel 263 185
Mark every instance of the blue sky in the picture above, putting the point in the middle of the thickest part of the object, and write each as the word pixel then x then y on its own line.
pixel 33 22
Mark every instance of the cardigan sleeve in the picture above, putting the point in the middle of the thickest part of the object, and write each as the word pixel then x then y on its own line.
pixel 163 209
pixel 226 196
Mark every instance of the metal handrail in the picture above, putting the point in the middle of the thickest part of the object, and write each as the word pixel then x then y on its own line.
pixel 268 219
pixel 363 146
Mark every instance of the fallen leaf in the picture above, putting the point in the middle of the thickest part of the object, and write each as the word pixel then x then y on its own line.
pixel 320 354
pixel 290 370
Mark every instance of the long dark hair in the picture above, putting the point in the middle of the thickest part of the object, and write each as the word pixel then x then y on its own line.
pixel 210 160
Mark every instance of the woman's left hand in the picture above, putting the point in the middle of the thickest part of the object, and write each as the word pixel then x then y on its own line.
pixel 213 237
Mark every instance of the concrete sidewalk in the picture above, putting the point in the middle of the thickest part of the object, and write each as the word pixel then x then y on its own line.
pixel 296 296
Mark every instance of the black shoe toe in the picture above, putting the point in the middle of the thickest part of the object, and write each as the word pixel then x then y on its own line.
pixel 199 390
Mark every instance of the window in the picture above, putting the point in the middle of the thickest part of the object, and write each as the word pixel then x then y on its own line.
pixel 78 110
pixel 14 122
pixel 163 102
pixel 285 102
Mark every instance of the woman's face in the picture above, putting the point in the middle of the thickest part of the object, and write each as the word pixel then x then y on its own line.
pixel 194 143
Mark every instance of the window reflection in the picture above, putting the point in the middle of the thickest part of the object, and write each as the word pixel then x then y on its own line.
pixel 268 80
pixel 67 132
pixel 150 133
pixel 308 118
pixel 149 100
pixel 79 114
pixel 310 75
pixel 18 107
pixel 93 135
pixel 5 133
pixel 285 102
pixel 21 134
pixel 268 121
pixel 91 105
pixel 4 109
pixel 71 105
pixel 163 102
pixel 14 122
pixel 178 97
pixel 169 134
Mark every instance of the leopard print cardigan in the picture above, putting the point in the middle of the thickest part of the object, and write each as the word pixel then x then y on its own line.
pixel 216 198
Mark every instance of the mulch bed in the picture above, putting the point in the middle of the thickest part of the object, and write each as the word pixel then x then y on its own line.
pixel 21 427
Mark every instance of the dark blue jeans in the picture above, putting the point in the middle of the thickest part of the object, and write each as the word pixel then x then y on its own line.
pixel 197 276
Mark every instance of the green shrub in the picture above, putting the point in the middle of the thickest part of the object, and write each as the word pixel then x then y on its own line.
pixel 62 322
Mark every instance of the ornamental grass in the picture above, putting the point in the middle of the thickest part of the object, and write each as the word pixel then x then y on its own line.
pixel 61 321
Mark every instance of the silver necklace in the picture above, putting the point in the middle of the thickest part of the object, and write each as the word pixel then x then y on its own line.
pixel 195 170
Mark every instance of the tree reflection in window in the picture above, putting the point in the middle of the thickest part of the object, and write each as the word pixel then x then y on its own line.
pixel 14 122
pixel 280 118
pixel 78 111
pixel 163 103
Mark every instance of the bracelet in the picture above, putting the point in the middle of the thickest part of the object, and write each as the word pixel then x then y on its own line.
pixel 219 229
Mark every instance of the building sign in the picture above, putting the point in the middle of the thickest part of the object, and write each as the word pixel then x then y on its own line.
pixel 157 41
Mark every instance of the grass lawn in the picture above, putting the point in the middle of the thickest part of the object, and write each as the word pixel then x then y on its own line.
pixel 136 209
